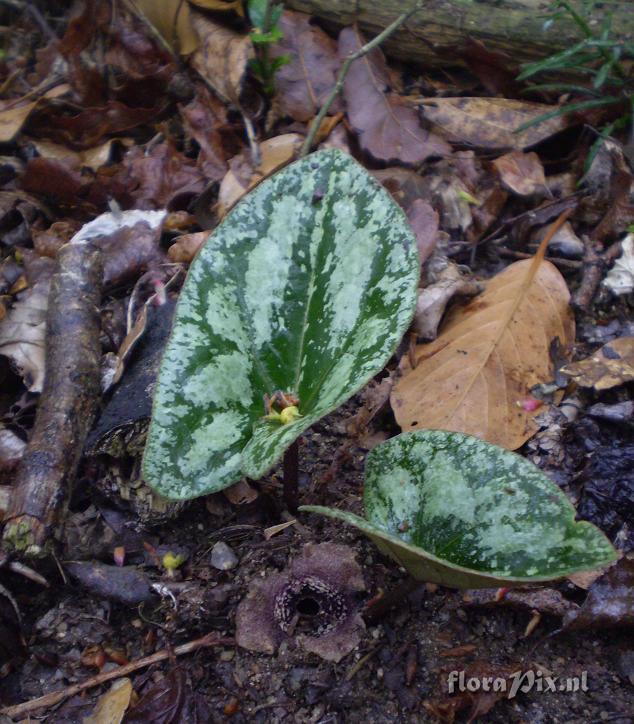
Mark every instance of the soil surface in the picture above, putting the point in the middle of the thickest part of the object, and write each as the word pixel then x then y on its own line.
pixel 399 670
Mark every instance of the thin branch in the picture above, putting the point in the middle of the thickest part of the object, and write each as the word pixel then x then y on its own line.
pixel 49 700
pixel 338 87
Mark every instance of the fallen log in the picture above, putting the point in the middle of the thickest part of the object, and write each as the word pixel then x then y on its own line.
pixel 439 32
pixel 68 403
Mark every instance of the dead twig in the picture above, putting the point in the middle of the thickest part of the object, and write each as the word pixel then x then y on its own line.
pixel 594 267
pixel 49 700
pixel 338 87
pixel 564 263
pixel 68 403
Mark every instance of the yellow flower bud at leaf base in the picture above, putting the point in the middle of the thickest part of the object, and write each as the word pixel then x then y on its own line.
pixel 172 561
pixel 289 414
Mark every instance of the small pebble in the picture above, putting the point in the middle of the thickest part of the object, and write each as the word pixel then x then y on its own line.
pixel 222 557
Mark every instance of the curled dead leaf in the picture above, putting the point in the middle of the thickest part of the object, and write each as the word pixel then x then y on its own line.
pixel 13 116
pixel 610 600
pixel 242 177
pixel 521 173
pixel 222 57
pixel 433 299
pixel 23 332
pixel 185 247
pixel 240 493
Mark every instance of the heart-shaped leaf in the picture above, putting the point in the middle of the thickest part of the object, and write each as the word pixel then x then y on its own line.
pixel 306 287
pixel 457 511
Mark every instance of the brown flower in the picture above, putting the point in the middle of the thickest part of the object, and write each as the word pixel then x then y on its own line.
pixel 313 601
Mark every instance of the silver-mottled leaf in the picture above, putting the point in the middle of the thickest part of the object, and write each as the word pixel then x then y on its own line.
pixel 306 287
pixel 455 510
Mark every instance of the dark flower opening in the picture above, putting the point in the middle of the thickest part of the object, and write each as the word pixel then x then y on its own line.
pixel 311 605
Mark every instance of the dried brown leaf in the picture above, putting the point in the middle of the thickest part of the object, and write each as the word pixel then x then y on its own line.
pixel 608 367
pixel 93 158
pixel 490 122
pixel 12 116
pixel 129 241
pixel 171 18
pixel 610 600
pixel 185 247
pixel 433 299
pixel 48 242
pixel 488 356
pixel 241 177
pixel 87 128
pixel 23 331
pixel 388 129
pixel 621 211
pixel 222 57
pixel 221 6
pixel 495 69
pixel 112 706
pixel 521 173
pixel 547 601
pixel 404 184
pixel 424 222
pixel 201 119
pixel 375 395
pixel 303 84
pixel 445 707
pixel 240 493
pixel 157 177
pixel 161 703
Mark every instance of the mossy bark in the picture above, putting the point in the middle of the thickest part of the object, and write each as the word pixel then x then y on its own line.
pixel 440 30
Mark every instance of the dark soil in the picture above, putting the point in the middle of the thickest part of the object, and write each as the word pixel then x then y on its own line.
pixel 403 659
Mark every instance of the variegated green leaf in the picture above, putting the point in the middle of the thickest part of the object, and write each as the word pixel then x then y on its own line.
pixel 306 287
pixel 461 512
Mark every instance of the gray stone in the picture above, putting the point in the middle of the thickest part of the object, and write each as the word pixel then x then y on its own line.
pixel 222 557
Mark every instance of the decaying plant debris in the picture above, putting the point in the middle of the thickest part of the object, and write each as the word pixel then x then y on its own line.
pixel 130 130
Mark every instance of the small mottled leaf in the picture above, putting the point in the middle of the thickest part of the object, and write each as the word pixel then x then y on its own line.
pixel 460 512
pixel 306 288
